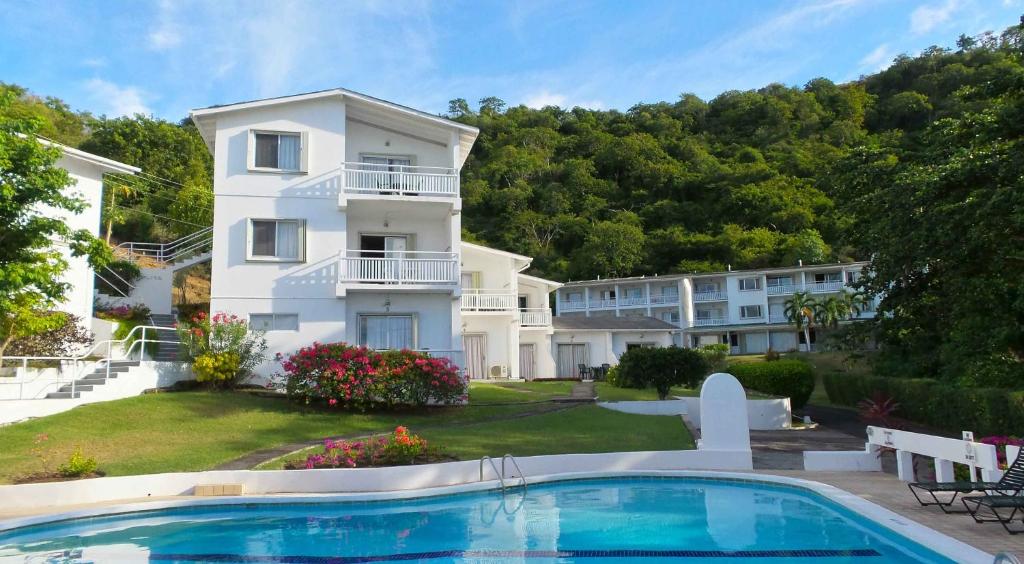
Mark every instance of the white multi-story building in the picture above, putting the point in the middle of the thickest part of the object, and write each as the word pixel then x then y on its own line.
pixel 337 217
pixel 741 308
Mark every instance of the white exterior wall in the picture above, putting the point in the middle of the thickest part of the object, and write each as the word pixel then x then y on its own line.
pixel 544 354
pixel 364 139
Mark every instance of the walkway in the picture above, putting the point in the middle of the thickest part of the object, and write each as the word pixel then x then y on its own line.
pixel 582 391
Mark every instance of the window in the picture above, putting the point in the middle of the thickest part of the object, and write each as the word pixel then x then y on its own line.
pixel 750 311
pixel 470 280
pixel 274 321
pixel 575 297
pixel 631 346
pixel 277 151
pixel 277 239
pixel 524 301
pixel 776 281
pixel 750 283
pixel 670 291
pixel 670 317
pixel 823 277
pixel 704 314
pixel 852 277
pixel 607 294
pixel 707 288
pixel 385 162
pixel 387 331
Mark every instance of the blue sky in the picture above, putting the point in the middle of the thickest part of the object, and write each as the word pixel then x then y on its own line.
pixel 117 57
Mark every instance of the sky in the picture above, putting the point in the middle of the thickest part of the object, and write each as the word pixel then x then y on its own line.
pixel 163 58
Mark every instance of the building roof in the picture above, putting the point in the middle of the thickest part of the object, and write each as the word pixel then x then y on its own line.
pixel 539 280
pixel 204 117
pixel 773 269
pixel 108 165
pixel 609 323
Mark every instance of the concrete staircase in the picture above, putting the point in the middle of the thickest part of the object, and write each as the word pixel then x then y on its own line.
pixel 166 352
pixel 97 378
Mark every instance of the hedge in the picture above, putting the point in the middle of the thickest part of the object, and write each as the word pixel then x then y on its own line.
pixel 793 379
pixel 986 411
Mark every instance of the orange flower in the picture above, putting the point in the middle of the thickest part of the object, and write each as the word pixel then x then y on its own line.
pixel 400 430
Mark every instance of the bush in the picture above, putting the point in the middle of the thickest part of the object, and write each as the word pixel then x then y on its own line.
pixel 660 368
pixel 219 344
pixel 125 273
pixel 717 356
pixel 950 408
pixel 62 341
pixel 346 376
pixel 396 449
pixel 793 379
pixel 78 465
pixel 772 355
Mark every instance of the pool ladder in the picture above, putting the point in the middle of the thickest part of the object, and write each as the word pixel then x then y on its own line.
pixel 501 474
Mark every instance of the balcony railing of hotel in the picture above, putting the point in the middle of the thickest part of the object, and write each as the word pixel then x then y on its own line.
pixel 813 287
pixel 635 301
pixel 400 180
pixel 393 267
pixel 535 317
pixel 709 296
pixel 709 321
pixel 474 299
pixel 777 318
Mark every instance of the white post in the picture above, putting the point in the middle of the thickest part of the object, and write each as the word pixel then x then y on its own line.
pixel 943 470
pixel 647 291
pixel 586 300
pixel 724 423
pixel 905 465
pixel 618 300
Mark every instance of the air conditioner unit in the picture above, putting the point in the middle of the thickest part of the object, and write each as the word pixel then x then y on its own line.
pixel 499 371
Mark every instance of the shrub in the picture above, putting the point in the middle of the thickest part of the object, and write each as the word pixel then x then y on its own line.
pixel 77 465
pixel 950 408
pixel 717 356
pixel 62 341
pixel 396 449
pixel 357 377
pixel 793 379
pixel 772 355
pixel 661 368
pixel 217 344
pixel 125 273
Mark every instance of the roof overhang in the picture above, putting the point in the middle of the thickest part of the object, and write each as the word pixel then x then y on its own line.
pixel 523 259
pixel 205 119
pixel 103 163
pixel 542 281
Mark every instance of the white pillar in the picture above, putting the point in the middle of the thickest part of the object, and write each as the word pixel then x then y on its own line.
pixel 618 300
pixel 586 300
pixel 905 465
pixel 647 296
pixel 943 471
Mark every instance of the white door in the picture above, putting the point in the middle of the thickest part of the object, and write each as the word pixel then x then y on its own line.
pixel 475 347
pixel 570 357
pixel 394 246
pixel 527 361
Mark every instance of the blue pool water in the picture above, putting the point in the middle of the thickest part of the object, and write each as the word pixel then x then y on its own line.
pixel 607 520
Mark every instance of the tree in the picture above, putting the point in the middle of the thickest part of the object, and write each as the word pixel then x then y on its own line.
pixel 611 249
pixel 661 368
pixel 192 206
pixel 458 107
pixel 33 193
pixel 800 310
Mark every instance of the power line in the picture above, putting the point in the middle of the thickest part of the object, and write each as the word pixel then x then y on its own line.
pixel 161 216
pixel 148 191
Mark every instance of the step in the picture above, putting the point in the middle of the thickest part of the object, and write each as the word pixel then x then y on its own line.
pixel 96 378
pixel 78 388
pixel 63 395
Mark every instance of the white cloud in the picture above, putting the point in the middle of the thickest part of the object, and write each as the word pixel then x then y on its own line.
pixel 94 62
pixel 878 59
pixel 926 18
pixel 114 100
pixel 167 33
pixel 545 98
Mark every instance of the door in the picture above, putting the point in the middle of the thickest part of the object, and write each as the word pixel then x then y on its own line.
pixel 570 357
pixel 475 347
pixel 394 248
pixel 527 361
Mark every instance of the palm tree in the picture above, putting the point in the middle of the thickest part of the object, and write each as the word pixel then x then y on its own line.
pixel 800 311
pixel 117 186
pixel 830 311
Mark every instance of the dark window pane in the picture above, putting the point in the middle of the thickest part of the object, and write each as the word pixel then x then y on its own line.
pixel 263 238
pixel 266 150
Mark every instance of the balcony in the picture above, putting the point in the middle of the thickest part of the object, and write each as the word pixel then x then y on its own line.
pixel 777 318
pixel 782 289
pixel 364 181
pixel 572 306
pixel 825 287
pixel 535 317
pixel 665 299
pixel 709 297
pixel 391 270
pixel 476 300
pixel 709 321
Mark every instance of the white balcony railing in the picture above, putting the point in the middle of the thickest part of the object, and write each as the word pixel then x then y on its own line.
pixel 824 287
pixel 398 180
pixel 603 304
pixel 572 306
pixel 391 267
pixel 665 299
pixel 632 301
pixel 782 289
pixel 777 318
pixel 535 317
pixel 474 299
pixel 709 321
pixel 709 297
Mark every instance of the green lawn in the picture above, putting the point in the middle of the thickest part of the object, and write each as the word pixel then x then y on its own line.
pixel 199 430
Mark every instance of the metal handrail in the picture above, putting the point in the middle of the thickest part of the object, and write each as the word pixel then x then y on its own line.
pixel 167 252
pixel 111 284
pixel 494 467
pixel 516 465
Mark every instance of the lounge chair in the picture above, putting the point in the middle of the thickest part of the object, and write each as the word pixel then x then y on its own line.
pixel 1010 485
pixel 993 503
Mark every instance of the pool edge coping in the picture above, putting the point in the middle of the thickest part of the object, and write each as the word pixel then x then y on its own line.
pixel 900 525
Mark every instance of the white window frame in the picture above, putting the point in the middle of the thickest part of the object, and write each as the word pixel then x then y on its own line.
pixel 262 258
pixel 413 316
pixel 779 281
pixel 273 321
pixel 673 316
pixel 743 309
pixel 389 156
pixel 303 152
pixel 757 284
pixel 706 288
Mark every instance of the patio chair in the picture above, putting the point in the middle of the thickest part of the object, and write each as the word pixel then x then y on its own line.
pixel 585 372
pixel 993 503
pixel 1010 485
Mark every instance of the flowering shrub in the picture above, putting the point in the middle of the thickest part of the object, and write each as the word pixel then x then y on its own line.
pixel 123 313
pixel 1001 442
pixel 357 377
pixel 398 448
pixel 222 349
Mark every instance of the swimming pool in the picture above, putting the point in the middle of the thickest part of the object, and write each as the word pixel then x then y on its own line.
pixel 592 520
